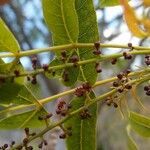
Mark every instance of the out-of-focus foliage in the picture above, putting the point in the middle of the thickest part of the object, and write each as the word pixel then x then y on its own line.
pixel 132 21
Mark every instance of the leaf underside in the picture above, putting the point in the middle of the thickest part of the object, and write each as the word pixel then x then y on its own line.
pixel 62 21
pixel 83 131
pixel 88 33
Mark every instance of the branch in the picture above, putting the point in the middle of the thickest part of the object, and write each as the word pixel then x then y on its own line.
pixel 54 97
pixel 67 65
pixel 68 47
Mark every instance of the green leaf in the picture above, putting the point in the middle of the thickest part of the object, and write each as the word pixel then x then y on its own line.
pixel 9 91
pixel 26 116
pixel 62 21
pixel 106 3
pixel 54 62
pixel 61 18
pixel 27 119
pixel 4 67
pixel 130 142
pixel 7 40
pixel 72 74
pixel 28 94
pixel 83 131
pixel 140 124
pixel 109 3
pixel 88 33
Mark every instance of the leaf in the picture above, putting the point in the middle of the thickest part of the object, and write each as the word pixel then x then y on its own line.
pixel 146 3
pixel 83 131
pixel 7 40
pixel 107 3
pixel 131 144
pixel 62 21
pixel 28 94
pixel 146 24
pixel 22 120
pixel 140 124
pixel 4 67
pixel 26 116
pixel 54 62
pixel 61 18
pixel 11 86
pixel 9 91
pixel 132 21
pixel 88 33
pixel 136 97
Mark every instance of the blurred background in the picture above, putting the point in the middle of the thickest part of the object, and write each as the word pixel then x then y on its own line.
pixel 25 19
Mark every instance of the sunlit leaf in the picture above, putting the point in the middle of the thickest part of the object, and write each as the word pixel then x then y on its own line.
pixel 132 21
pixel 140 124
pixel 8 43
pixel 108 3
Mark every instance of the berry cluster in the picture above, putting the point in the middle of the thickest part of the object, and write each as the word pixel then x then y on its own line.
pixel 81 91
pixel 74 59
pixel 34 62
pixel 130 46
pixel 97 48
pixel 66 133
pixel 112 100
pixel 62 108
pixel 63 56
pixel 43 143
pixel 5 146
pixel 45 67
pixel 98 68
pixel 147 89
pixel 85 114
pixel 147 60
pixel 65 76
pixel 127 56
pixel 114 61
pixel 17 73
pixel 26 140
pixel 122 81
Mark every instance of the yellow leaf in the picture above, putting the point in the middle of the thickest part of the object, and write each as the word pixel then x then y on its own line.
pixel 146 24
pixel 131 20
pixel 146 3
